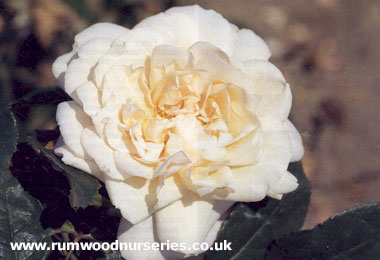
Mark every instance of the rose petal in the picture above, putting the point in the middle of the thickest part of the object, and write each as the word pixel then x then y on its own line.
pixel 206 21
pixel 88 95
pixel 249 46
pixel 287 183
pixel 135 197
pixel 60 66
pixel 125 162
pixel 72 121
pixel 100 153
pixel 189 220
pixel 251 183
pixel 296 140
pixel 86 165
pixel 99 30
pixel 276 147
pixel 143 232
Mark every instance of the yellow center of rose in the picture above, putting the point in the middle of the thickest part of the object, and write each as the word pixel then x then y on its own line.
pixel 185 118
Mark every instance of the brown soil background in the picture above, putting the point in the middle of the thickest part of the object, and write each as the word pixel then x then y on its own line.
pixel 328 51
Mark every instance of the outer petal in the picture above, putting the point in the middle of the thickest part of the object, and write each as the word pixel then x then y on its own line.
pixel 99 30
pixel 88 95
pixel 101 154
pixel 276 148
pixel 189 220
pixel 296 140
pixel 206 21
pixel 251 183
pixel 193 24
pixel 72 121
pixel 269 82
pixel 135 197
pixel 69 158
pixel 143 232
pixel 287 183
pixel 250 46
pixel 60 66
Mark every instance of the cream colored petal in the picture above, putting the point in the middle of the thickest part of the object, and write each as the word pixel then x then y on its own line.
pixel 296 140
pixel 71 121
pixel 171 190
pixel 77 74
pixel 101 153
pixel 148 151
pixel 200 50
pixel 118 84
pixel 246 150
pixel 126 163
pixel 212 234
pixel 179 158
pixel 267 76
pixel 95 48
pixel 276 148
pixel 287 183
pixel 250 46
pixel 206 22
pixel 88 95
pixel 135 197
pixel 207 182
pixel 60 66
pixel 276 107
pixel 189 220
pixel 86 165
pixel 251 183
pixel 143 232
pixel 100 30
pixel 115 136
pixel 164 55
pixel 220 69
pixel 180 28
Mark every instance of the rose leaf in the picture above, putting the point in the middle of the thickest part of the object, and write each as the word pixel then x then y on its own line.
pixel 352 234
pixel 84 188
pixel 19 220
pixel 251 227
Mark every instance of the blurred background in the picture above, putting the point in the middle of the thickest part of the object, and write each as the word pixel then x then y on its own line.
pixel 328 51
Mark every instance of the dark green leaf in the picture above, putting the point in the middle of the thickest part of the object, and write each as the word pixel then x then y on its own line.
pixel 45 96
pixel 19 220
pixel 352 234
pixel 84 188
pixel 8 135
pixel 252 226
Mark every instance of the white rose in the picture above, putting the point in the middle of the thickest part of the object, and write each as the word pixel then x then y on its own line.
pixel 180 117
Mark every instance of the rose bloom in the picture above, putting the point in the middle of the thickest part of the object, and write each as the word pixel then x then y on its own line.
pixel 180 117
